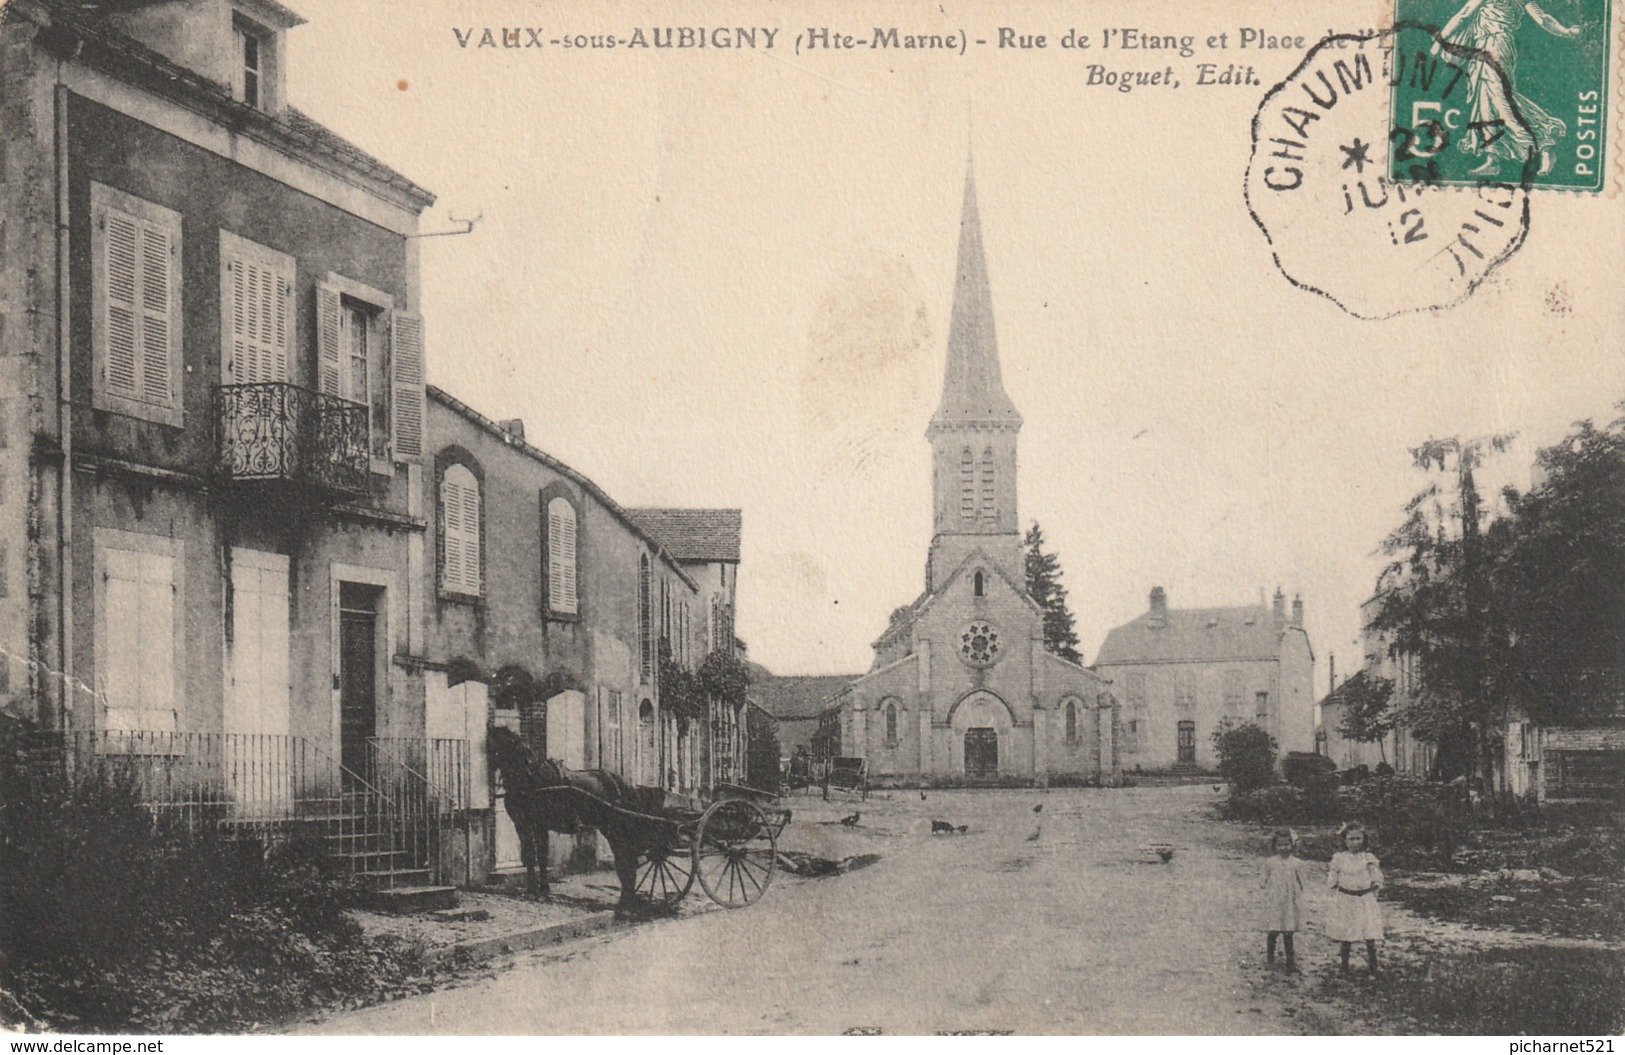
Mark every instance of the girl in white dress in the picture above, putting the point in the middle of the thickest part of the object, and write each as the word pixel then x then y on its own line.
pixel 1283 888
pixel 1354 878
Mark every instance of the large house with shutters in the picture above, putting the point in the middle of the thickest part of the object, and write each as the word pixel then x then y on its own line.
pixel 1182 673
pixel 212 559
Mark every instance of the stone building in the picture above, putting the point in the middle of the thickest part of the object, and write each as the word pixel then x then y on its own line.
pixel 212 554
pixel 1181 672
pixel 961 687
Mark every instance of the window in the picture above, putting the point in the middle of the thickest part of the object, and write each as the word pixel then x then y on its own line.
pixel 967 483
pixel 1233 689
pixel 1261 705
pixel 981 585
pixel 1131 735
pixel 685 647
pixel 1136 690
pixel 646 649
pixel 139 628
pixel 891 723
pixel 460 558
pixel 136 316
pixel 371 354
pixel 561 557
pixel 256 57
pixel 251 68
pixel 1071 721
pixel 989 503
pixel 256 309
pixel 1184 689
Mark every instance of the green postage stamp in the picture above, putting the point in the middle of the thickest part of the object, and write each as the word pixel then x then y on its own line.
pixel 1501 91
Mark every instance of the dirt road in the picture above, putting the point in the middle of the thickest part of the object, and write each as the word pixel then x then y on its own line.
pixel 1038 922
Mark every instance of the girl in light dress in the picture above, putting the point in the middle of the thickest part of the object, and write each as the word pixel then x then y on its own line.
pixel 1283 891
pixel 1354 878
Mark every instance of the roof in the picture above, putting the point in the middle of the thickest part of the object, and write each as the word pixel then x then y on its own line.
pixel 85 31
pixel 909 614
pixel 972 388
pixel 797 697
pixel 695 534
pixel 1194 635
pixel 468 413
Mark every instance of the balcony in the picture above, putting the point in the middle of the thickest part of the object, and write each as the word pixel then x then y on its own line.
pixel 277 431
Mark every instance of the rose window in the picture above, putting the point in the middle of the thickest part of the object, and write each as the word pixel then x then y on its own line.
pixel 979 644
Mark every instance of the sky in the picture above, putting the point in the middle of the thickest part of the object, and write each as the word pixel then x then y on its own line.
pixel 723 279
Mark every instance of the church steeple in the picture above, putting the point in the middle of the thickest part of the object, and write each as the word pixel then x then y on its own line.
pixel 973 433
pixel 972 388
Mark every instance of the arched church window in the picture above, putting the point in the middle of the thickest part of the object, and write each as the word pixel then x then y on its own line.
pixel 646 641
pixel 967 483
pixel 980 585
pixel 891 724
pixel 1071 721
pixel 989 504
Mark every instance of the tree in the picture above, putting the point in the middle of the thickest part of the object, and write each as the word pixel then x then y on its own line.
pixel 1044 587
pixel 1368 712
pixel 1246 755
pixel 1558 575
pixel 1435 604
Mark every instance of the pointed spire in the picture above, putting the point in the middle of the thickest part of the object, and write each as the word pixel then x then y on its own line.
pixel 972 388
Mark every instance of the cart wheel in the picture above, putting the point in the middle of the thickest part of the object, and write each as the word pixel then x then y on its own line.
pixel 735 854
pixel 665 875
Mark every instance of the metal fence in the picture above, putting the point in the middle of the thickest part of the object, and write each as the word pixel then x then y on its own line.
pixel 393 824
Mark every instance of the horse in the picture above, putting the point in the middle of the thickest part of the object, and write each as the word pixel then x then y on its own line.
pixel 545 796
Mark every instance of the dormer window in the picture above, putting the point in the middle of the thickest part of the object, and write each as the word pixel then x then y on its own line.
pixel 251 68
pixel 255 74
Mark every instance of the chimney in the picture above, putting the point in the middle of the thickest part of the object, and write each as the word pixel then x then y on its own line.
pixel 1297 610
pixel 514 427
pixel 1159 604
pixel 1280 608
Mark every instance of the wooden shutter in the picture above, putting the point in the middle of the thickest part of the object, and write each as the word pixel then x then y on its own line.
pixel 561 556
pixel 406 385
pixel 460 510
pixel 138 621
pixel 157 279
pixel 121 244
pixel 259 304
pixel 329 311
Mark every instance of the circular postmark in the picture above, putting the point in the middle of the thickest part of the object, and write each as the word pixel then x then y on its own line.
pixel 1349 190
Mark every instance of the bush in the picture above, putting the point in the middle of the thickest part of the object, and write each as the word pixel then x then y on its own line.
pixel 113 920
pixel 1246 755
pixel 1516 992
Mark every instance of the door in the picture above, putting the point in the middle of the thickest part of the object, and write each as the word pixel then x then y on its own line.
pixel 358 674
pixel 259 776
pixel 981 754
pixel 1187 744
pixel 648 746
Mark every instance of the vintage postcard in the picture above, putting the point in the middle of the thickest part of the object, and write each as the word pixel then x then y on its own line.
pixel 811 518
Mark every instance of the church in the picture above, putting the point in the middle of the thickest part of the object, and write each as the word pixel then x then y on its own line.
pixel 961 689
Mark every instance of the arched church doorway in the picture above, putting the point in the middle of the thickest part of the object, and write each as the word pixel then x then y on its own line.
pixel 981 723
pixel 981 754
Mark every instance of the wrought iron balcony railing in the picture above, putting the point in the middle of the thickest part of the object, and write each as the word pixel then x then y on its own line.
pixel 277 431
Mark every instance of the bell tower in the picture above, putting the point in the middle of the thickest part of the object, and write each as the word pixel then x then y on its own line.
pixel 973 433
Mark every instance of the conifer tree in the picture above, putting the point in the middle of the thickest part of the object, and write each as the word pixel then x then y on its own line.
pixel 1044 587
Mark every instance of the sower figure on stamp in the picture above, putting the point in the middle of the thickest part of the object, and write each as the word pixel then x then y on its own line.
pixel 1283 892
pixel 1495 132
pixel 1353 915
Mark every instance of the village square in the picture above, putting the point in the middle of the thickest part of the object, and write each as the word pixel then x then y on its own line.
pixel 337 699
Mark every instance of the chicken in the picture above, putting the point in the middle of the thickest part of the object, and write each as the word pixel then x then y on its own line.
pixel 1038 808
pixel 852 821
pixel 1165 851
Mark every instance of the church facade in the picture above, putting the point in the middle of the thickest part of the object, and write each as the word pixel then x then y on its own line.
pixel 961 689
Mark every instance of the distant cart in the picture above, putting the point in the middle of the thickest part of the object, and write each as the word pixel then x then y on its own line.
pixel 848 774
